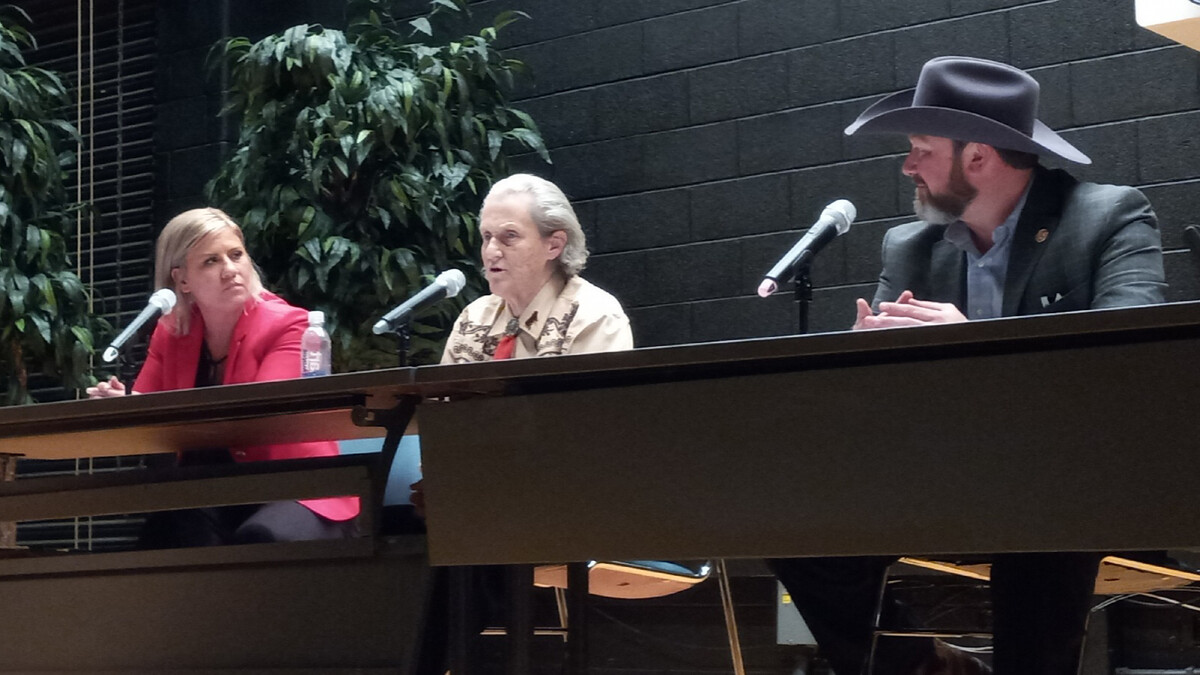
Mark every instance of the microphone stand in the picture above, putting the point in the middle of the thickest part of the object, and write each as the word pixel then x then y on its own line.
pixel 125 372
pixel 403 333
pixel 803 294
pixel 123 369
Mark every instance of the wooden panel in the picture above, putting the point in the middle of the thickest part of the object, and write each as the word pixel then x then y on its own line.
pixel 248 414
pixel 137 491
pixel 1037 449
pixel 278 608
pixel 326 425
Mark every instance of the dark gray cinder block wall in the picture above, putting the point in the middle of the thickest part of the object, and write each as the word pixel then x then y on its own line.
pixel 698 138
pixel 190 138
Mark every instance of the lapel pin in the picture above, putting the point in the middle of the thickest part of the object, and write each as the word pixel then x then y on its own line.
pixel 1041 236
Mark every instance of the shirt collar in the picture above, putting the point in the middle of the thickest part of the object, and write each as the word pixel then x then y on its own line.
pixel 534 317
pixel 959 234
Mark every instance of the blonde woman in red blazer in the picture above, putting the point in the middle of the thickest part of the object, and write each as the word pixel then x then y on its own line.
pixel 225 329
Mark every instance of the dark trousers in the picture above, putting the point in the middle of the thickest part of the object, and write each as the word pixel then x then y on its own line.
pixel 241 524
pixel 1040 604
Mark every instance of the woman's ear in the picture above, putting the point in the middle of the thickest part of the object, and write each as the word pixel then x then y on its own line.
pixel 179 279
pixel 556 242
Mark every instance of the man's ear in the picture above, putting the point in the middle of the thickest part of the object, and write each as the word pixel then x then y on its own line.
pixel 976 155
pixel 557 241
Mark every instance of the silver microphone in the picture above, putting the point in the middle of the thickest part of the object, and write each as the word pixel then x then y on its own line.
pixel 834 220
pixel 447 285
pixel 163 300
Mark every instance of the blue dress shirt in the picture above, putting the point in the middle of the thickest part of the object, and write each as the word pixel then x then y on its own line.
pixel 986 272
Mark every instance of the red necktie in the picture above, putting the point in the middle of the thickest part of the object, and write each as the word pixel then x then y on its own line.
pixel 508 344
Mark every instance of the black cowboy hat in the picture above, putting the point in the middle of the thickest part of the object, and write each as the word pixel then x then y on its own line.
pixel 973 100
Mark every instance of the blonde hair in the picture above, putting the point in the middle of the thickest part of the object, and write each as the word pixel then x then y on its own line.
pixel 176 239
pixel 550 211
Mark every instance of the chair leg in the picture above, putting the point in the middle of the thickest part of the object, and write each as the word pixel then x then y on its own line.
pixel 520 623
pixel 461 619
pixel 560 602
pixel 735 644
pixel 577 600
pixel 877 623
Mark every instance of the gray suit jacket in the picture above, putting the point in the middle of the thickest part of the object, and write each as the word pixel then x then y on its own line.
pixel 1099 247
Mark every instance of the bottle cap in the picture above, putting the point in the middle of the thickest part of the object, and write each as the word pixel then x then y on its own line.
pixel 316 318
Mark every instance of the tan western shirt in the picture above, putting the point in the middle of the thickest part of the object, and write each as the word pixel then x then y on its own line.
pixel 567 316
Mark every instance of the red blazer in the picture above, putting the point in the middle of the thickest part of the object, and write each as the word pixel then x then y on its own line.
pixel 265 346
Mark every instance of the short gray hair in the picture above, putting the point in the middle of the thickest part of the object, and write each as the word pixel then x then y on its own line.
pixel 550 211
pixel 176 239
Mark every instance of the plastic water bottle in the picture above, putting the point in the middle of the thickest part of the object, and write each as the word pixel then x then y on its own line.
pixel 314 347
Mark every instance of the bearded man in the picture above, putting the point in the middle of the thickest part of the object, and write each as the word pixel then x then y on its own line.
pixel 998 236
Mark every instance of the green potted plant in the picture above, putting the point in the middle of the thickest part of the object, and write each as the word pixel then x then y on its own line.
pixel 362 158
pixel 45 322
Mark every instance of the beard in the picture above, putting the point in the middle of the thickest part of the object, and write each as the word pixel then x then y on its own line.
pixel 943 208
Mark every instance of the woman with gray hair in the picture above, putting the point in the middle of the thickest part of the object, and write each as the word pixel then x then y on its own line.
pixel 533 250
pixel 225 329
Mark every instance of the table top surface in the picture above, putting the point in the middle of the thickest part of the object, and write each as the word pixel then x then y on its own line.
pixel 318 408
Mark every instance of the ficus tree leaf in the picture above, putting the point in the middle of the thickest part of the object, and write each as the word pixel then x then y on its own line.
pixel 421 25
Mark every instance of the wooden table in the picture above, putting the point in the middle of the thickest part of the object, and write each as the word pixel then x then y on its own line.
pixel 1066 432
pixel 1069 431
